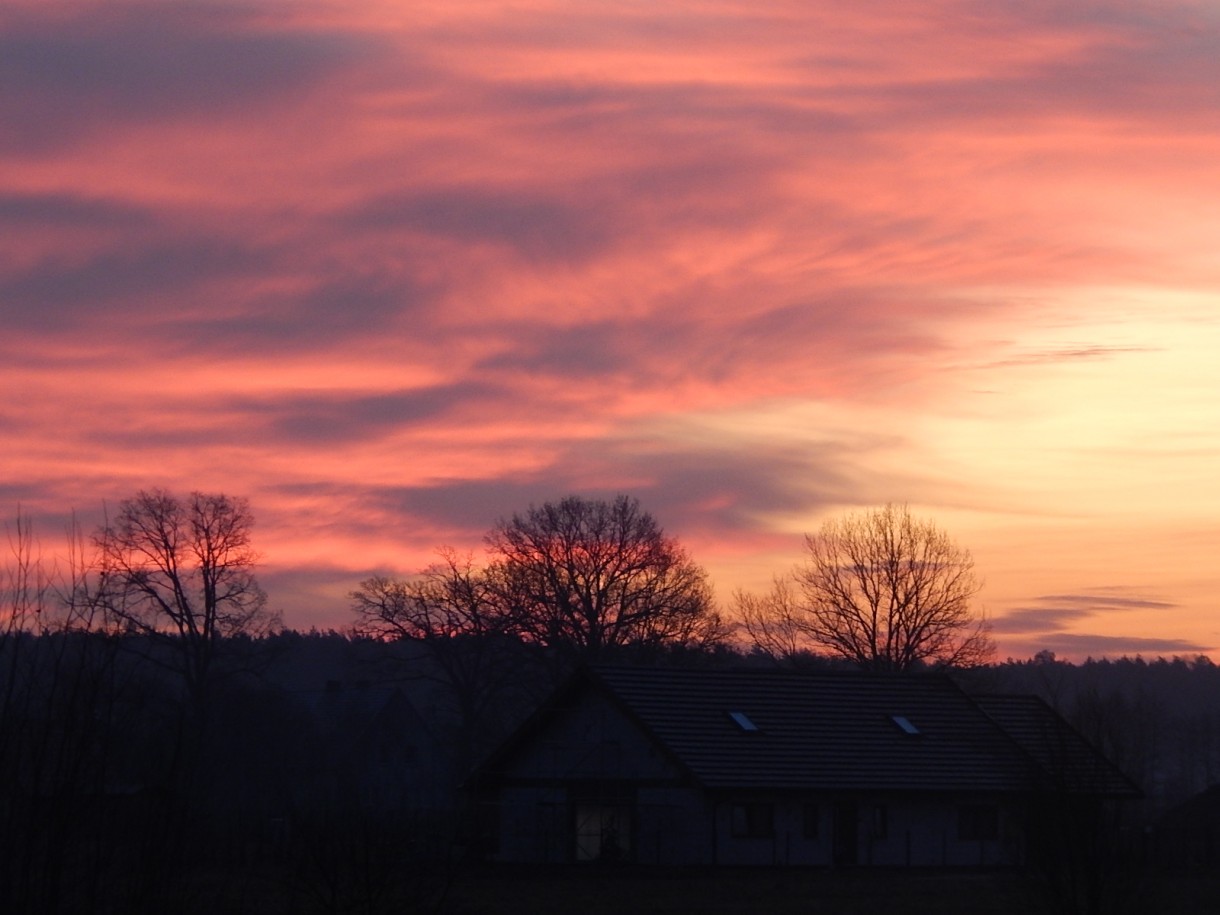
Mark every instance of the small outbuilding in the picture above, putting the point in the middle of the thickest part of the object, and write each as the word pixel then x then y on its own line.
pixel 758 767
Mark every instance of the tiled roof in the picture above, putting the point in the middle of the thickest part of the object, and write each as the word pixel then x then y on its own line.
pixel 1066 761
pixel 825 731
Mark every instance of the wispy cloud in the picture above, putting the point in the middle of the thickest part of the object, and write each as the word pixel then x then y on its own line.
pixel 82 70
pixel 395 271
pixel 1075 625
pixel 1038 620
pixel 1071 354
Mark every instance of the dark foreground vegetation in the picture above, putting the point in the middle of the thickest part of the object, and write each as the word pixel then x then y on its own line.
pixel 323 773
pixel 166 746
pixel 810 892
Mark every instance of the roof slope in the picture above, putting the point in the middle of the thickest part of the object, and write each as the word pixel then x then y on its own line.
pixel 821 731
pixel 763 730
pixel 855 731
pixel 1066 761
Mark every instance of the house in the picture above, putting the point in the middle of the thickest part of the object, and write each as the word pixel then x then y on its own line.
pixel 750 767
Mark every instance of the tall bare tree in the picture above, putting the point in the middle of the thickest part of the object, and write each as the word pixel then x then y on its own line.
pixel 772 621
pixel 181 572
pixel 586 576
pixel 450 598
pixel 450 610
pixel 59 723
pixel 883 589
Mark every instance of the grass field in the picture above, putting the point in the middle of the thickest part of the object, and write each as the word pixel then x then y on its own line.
pixel 812 892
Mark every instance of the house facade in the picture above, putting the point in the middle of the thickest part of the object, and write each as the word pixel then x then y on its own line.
pixel 688 767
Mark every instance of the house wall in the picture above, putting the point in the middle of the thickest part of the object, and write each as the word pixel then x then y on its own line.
pixel 590 753
pixel 927 833
pixel 679 826
pixel 674 827
pixel 589 740
pixel 787 842
pixel 533 826
pixel 827 830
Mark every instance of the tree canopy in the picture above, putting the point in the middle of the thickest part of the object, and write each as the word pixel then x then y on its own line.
pixel 883 589
pixel 181 570
pixel 589 576
pixel 580 577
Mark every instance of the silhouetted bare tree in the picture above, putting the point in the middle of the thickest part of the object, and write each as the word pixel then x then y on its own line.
pixel 181 572
pixel 773 620
pixel 60 724
pixel 449 598
pixel 585 576
pixel 882 589
pixel 452 611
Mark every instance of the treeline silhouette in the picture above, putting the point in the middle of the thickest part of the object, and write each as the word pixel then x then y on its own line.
pixel 325 773
pixel 319 770
pixel 166 746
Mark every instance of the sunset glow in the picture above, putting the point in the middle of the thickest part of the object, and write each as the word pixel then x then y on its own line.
pixel 393 271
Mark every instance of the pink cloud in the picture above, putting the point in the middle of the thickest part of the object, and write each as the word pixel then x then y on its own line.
pixel 408 268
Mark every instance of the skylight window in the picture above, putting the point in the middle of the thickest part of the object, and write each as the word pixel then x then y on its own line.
pixel 905 723
pixel 743 721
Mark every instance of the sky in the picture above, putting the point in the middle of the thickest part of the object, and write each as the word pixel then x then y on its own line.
pixel 395 270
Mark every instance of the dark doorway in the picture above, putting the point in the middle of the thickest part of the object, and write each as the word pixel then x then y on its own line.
pixel 845 840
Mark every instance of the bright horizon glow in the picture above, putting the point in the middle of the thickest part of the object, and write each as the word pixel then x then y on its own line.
pixel 395 272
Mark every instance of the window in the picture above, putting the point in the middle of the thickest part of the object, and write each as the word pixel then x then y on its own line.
pixel 905 723
pixel 743 721
pixel 602 820
pixel 811 821
pixel 753 821
pixel 978 822
pixel 603 832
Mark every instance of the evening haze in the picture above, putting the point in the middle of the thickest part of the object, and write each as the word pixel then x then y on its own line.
pixel 395 270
